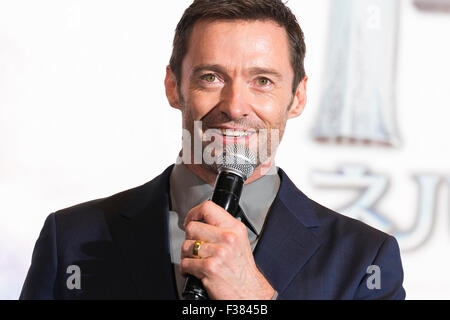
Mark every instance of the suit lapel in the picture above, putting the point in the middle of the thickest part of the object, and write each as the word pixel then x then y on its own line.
pixel 139 226
pixel 141 232
pixel 288 240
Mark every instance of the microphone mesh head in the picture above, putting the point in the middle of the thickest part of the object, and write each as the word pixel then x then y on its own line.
pixel 239 158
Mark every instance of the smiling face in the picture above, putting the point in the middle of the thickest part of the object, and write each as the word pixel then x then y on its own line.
pixel 237 79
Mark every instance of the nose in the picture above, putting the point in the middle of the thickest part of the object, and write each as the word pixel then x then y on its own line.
pixel 235 101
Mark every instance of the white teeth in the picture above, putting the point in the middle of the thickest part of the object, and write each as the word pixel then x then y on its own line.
pixel 236 133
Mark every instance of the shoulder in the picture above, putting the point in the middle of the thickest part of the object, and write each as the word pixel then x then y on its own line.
pixel 332 226
pixel 356 247
pixel 355 240
pixel 92 215
pixel 345 226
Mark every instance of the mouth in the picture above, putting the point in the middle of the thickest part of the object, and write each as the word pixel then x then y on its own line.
pixel 233 132
pixel 232 135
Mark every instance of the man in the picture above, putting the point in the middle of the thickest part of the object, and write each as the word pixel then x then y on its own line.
pixel 237 66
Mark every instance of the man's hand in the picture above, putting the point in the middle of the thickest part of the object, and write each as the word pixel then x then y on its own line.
pixel 226 266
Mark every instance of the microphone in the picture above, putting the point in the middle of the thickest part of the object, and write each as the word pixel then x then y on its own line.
pixel 234 167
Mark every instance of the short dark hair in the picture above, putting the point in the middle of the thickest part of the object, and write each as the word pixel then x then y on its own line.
pixel 249 10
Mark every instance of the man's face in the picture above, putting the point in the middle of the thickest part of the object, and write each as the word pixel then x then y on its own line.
pixel 237 78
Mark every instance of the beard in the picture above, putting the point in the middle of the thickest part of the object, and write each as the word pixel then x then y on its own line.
pixel 263 144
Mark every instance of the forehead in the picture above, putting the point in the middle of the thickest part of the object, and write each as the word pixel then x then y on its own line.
pixel 239 43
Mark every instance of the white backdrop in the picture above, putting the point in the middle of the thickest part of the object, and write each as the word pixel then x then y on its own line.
pixel 83 115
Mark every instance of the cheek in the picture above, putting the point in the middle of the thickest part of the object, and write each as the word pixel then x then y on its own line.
pixel 273 114
pixel 272 107
pixel 201 103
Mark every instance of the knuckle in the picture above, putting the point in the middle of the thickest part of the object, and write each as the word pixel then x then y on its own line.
pixel 206 215
pixel 206 283
pixel 229 238
pixel 189 228
pixel 205 206
pixel 185 246
pixel 184 264
pixel 207 209
pixel 241 228
pixel 210 266
pixel 222 252
pixel 208 205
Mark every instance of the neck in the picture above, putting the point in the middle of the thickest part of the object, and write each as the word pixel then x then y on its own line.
pixel 209 176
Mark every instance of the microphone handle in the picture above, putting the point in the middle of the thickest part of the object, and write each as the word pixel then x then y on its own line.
pixel 227 192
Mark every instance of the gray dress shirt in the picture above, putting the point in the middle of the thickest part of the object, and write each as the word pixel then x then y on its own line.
pixel 187 191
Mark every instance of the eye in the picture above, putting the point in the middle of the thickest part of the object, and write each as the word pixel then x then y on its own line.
pixel 263 82
pixel 209 77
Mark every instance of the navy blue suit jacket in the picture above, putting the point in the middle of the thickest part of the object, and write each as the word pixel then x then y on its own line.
pixel 121 245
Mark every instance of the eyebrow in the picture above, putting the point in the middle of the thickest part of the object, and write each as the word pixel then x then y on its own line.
pixel 208 67
pixel 252 71
pixel 268 71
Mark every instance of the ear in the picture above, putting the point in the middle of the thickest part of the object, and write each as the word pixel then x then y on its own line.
pixel 299 103
pixel 170 83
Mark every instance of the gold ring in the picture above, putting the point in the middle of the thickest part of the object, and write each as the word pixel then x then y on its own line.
pixel 196 248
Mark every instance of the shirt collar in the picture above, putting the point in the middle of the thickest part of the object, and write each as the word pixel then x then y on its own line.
pixel 187 190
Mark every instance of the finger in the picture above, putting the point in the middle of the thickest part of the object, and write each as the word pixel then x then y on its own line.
pixel 192 266
pixel 206 249
pixel 201 268
pixel 210 213
pixel 202 231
